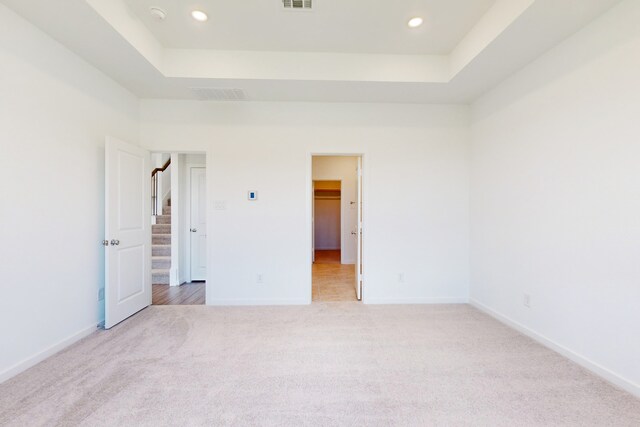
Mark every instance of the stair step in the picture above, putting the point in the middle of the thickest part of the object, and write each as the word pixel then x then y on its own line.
pixel 158 262
pixel 160 250
pixel 163 219
pixel 161 239
pixel 161 229
pixel 160 276
pixel 166 210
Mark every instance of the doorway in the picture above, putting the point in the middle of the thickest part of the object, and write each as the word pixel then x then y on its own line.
pixel 146 224
pixel 178 229
pixel 336 222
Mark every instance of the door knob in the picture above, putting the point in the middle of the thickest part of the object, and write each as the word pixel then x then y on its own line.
pixel 193 230
pixel 115 242
pixel 354 233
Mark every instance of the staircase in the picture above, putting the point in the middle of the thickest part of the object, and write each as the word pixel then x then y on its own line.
pixel 161 247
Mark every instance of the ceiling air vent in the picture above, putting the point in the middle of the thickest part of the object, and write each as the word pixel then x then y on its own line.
pixel 297 4
pixel 218 94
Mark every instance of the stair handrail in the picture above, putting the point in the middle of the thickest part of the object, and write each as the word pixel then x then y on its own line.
pixel 162 169
pixel 154 186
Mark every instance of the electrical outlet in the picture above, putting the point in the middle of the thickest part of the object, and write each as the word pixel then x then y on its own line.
pixel 260 278
pixel 400 277
pixel 100 294
pixel 527 300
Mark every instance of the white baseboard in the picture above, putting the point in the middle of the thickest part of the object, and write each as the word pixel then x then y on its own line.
pixel 445 300
pixel 302 301
pixel 245 302
pixel 48 352
pixel 586 363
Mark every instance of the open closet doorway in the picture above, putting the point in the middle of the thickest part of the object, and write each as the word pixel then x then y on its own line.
pixel 336 228
pixel 179 229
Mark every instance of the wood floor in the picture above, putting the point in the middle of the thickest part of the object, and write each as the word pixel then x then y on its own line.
pixel 186 294
pixel 332 281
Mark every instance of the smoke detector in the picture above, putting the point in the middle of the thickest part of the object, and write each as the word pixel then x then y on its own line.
pixel 297 4
pixel 158 13
pixel 218 94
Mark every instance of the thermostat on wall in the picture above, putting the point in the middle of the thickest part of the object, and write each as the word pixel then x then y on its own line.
pixel 252 195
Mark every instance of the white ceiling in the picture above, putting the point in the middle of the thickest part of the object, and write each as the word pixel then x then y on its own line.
pixel 509 35
pixel 348 26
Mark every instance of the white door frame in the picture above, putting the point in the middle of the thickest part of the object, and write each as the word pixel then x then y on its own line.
pixel 309 219
pixel 187 213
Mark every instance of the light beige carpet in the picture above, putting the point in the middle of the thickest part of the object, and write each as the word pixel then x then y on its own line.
pixel 325 364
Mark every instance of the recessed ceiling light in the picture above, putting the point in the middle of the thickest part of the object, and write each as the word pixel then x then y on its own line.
pixel 415 22
pixel 199 15
pixel 158 13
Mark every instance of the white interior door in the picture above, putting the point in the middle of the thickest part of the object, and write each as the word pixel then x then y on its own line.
pixel 198 228
pixel 127 230
pixel 359 233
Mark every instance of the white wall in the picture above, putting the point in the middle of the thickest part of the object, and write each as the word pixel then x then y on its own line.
pixel 416 194
pixel 176 218
pixel 345 169
pixel 164 179
pixel 55 111
pixel 556 197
